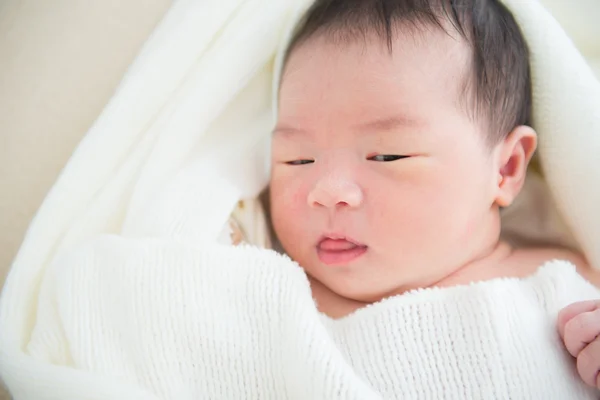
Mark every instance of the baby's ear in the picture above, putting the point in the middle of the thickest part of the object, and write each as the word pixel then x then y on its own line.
pixel 513 156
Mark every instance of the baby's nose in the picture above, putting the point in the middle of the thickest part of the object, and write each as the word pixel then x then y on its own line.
pixel 334 193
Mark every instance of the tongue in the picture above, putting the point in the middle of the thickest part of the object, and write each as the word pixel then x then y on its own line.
pixel 336 245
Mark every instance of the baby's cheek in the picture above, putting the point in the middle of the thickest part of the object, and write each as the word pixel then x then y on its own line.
pixel 289 217
pixel 411 209
pixel 288 204
pixel 287 197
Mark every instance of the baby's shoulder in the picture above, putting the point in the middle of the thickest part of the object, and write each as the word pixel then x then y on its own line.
pixel 550 277
pixel 528 261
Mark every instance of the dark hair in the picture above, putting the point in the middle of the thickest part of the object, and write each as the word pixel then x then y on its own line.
pixel 499 83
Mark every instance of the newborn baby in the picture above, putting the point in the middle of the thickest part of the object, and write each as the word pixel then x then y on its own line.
pixel 403 129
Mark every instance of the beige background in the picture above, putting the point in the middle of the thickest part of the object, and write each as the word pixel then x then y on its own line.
pixel 59 64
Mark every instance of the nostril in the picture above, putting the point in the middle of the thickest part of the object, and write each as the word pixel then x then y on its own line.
pixel 321 198
pixel 316 204
pixel 335 194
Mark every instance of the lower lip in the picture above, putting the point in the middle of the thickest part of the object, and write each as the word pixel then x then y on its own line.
pixel 340 257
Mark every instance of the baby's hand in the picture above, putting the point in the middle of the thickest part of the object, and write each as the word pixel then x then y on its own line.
pixel 579 327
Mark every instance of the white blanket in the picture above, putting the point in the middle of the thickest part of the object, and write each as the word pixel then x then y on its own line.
pixel 156 319
pixel 186 136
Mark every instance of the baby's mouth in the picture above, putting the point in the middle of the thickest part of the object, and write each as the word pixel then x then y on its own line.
pixel 337 244
pixel 338 250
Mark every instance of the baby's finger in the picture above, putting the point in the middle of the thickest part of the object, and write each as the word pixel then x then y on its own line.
pixel 572 310
pixel 588 363
pixel 581 330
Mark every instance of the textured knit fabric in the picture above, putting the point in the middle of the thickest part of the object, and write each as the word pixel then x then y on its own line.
pixel 176 322
pixel 489 340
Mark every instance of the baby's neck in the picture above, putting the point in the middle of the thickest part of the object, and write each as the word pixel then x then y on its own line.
pixel 479 269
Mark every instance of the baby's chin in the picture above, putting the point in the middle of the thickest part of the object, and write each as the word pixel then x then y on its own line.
pixel 351 285
pixel 363 294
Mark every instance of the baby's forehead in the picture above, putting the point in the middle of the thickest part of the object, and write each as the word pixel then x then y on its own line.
pixel 371 57
pixel 441 40
pixel 367 79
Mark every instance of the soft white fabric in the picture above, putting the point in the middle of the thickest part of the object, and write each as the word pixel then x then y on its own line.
pixel 194 106
pixel 138 318
pixel 185 137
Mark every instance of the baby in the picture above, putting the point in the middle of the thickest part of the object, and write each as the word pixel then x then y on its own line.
pixel 403 129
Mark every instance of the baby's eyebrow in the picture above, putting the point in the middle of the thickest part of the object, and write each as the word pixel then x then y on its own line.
pixel 286 129
pixel 388 124
pixel 377 125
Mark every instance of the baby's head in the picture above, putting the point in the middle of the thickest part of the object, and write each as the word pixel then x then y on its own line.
pixel 401 132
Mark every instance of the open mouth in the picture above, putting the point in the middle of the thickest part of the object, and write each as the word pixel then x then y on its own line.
pixel 339 250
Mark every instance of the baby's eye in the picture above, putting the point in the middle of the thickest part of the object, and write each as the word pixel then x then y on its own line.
pixel 386 157
pixel 300 162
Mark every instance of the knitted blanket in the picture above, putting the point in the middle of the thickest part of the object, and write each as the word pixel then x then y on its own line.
pixel 154 182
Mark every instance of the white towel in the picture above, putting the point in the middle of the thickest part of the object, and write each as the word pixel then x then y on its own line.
pixel 186 136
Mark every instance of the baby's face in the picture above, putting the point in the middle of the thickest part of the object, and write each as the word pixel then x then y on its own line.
pixel 380 180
